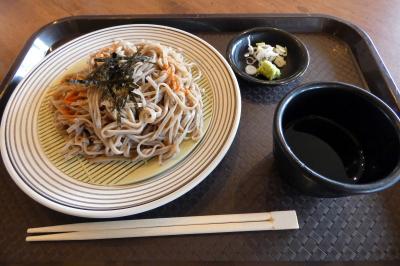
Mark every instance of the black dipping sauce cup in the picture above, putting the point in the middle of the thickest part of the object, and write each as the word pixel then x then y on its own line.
pixel 335 139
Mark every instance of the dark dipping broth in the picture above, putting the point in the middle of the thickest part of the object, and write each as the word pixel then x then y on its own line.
pixel 341 136
pixel 326 148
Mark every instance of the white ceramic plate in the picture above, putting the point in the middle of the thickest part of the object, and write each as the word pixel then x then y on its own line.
pixel 30 164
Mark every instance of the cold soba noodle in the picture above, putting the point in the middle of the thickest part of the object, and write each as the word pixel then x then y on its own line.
pixel 135 101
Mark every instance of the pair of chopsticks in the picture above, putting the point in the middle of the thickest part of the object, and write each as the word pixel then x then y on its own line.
pixel 279 220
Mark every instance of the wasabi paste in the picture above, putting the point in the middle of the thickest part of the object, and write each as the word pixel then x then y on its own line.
pixel 268 70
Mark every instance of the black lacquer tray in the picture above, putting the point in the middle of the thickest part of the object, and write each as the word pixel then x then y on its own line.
pixel 357 228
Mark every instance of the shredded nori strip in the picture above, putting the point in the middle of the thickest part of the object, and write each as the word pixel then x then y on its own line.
pixel 114 78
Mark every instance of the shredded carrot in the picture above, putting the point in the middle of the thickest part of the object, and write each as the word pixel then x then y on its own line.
pixel 67 113
pixel 173 83
pixel 171 78
pixel 74 96
pixel 71 97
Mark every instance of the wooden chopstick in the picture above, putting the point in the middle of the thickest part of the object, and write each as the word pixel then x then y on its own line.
pixel 279 220
pixel 189 220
